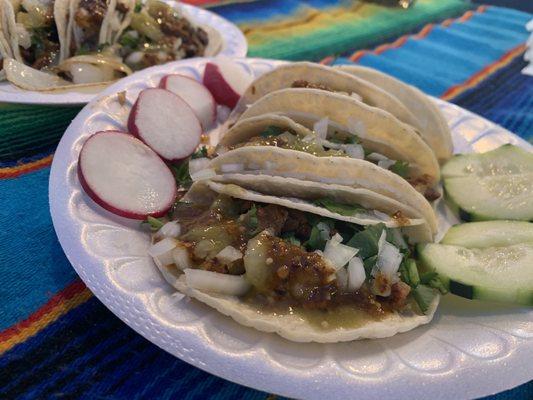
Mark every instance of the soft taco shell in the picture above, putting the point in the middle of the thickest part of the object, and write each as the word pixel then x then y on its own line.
pixel 267 160
pixel 377 129
pixel 282 77
pixel 296 328
pixel 433 126
pixel 282 191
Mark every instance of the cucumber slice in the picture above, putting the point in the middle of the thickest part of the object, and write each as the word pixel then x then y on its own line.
pixel 505 160
pixel 503 274
pixel 489 198
pixel 493 185
pixel 489 234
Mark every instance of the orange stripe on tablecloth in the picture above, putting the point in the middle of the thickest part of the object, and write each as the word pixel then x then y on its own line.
pixel 420 35
pixel 484 73
pixel 13 172
pixel 70 297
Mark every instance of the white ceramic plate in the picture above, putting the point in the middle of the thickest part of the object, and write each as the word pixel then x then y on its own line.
pixel 233 45
pixel 470 349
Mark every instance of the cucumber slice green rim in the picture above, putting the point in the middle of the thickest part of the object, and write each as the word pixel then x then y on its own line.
pixel 501 274
pixel 493 185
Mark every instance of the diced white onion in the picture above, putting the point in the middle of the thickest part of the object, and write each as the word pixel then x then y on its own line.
pixel 337 238
pixel 181 257
pixel 89 73
pixel 223 113
pixel 356 96
pixel 171 229
pixel 134 58
pixel 355 151
pixel 339 254
pixel 386 163
pixel 356 273
pixel 381 215
pixel 228 254
pixel 321 127
pixel 356 127
pixel 388 263
pixel 232 285
pixel 226 168
pixel 162 251
pixel 342 278
pixel 207 173
pixel 198 164
pixel 376 157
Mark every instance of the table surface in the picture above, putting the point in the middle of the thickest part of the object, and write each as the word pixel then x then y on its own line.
pixel 57 340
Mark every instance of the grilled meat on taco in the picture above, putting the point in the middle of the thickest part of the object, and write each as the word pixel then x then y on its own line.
pixel 309 268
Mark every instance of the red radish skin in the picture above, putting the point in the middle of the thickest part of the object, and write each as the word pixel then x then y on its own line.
pixel 195 95
pixel 226 81
pixel 166 175
pixel 165 123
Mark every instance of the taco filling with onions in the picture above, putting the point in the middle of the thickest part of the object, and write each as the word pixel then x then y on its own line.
pixel 280 259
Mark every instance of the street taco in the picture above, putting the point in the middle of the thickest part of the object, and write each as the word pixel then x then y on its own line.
pixel 321 77
pixel 280 131
pixel 344 171
pixel 344 120
pixel 298 266
pixel 433 126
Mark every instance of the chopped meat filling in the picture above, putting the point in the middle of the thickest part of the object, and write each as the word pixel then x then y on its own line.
pixel 309 85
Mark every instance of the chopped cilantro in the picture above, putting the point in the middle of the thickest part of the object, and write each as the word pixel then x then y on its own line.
pixel 289 237
pixel 400 168
pixel 409 272
pixel 427 277
pixel 367 240
pixel 153 223
pixel 129 41
pixel 342 209
pixel 423 296
pixel 369 264
pixel 316 241
pixel 138 7
pixel 251 221
pixel 200 153
pixel 272 131
pixel 436 283
pixel 181 174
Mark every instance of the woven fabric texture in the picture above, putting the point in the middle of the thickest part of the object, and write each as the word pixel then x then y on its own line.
pixel 57 340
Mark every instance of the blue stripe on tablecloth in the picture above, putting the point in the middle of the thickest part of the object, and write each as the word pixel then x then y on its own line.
pixel 506 97
pixel 450 55
pixel 89 353
pixel 33 266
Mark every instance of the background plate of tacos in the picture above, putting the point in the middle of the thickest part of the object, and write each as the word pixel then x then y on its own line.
pixel 458 355
pixel 67 51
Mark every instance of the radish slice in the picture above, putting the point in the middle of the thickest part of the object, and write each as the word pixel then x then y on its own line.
pixel 226 80
pixel 195 95
pixel 166 123
pixel 124 176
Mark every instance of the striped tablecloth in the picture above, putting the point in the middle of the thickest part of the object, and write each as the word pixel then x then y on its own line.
pixel 57 340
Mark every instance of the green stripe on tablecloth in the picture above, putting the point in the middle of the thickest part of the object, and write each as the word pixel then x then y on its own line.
pixel 27 129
